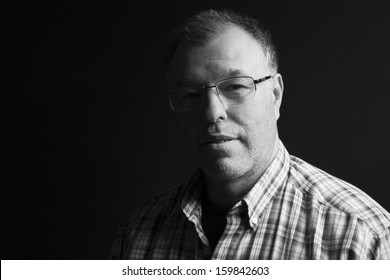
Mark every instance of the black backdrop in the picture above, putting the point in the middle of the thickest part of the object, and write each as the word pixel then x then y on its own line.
pixel 90 134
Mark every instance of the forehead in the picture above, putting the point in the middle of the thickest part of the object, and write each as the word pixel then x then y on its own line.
pixel 232 53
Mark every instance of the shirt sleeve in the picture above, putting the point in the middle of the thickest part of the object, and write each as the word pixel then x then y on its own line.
pixel 383 248
pixel 119 244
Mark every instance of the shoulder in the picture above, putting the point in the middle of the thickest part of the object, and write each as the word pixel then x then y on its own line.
pixel 140 230
pixel 338 196
pixel 160 205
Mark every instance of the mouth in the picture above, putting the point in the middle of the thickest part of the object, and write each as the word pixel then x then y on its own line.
pixel 217 140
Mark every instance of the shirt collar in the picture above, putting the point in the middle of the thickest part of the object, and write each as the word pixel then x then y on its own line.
pixel 263 192
pixel 190 203
pixel 256 200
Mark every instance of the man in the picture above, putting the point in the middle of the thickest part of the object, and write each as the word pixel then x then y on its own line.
pixel 249 199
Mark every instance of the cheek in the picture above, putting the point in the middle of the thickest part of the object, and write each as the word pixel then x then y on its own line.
pixel 258 123
pixel 187 128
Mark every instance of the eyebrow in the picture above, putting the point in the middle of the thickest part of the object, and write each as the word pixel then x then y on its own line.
pixel 228 73
pixel 231 72
pixel 183 83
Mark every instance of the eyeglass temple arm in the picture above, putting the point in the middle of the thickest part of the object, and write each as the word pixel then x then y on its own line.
pixel 262 79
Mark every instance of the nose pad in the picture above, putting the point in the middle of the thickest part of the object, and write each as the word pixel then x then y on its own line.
pixel 214 106
pixel 212 92
pixel 212 96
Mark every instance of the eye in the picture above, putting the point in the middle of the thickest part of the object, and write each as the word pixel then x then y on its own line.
pixel 190 98
pixel 191 95
pixel 234 87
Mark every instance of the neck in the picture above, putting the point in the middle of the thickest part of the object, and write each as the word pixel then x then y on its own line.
pixel 229 192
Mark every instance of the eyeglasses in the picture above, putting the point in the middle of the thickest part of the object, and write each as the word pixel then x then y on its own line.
pixel 232 91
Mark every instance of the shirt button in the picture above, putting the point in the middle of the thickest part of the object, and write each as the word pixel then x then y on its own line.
pixel 254 220
pixel 207 254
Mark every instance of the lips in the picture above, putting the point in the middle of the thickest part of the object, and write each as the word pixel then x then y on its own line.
pixel 216 139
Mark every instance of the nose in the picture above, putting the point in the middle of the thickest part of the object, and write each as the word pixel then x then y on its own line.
pixel 214 107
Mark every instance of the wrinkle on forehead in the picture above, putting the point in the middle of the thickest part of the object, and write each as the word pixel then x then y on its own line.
pixel 214 72
pixel 221 70
pixel 232 53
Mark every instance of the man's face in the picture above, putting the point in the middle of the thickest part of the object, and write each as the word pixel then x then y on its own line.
pixel 228 141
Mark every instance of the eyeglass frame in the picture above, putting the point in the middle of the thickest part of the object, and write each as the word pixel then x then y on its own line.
pixel 265 78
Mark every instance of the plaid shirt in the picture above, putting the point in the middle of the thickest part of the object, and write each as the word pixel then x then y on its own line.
pixel 295 211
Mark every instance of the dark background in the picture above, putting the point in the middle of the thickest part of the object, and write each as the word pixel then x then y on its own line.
pixel 89 133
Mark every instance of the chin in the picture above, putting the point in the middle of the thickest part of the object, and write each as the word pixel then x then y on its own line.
pixel 223 169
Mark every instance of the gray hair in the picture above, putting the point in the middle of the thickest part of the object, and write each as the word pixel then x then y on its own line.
pixel 206 25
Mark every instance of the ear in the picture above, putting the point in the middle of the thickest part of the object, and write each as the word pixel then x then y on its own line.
pixel 277 93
